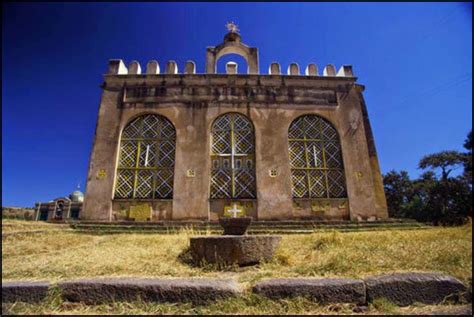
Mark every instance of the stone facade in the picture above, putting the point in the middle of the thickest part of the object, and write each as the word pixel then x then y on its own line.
pixel 271 102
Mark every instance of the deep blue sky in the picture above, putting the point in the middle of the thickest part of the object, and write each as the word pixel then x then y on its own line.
pixel 414 58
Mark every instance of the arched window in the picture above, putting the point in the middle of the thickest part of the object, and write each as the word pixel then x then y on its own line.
pixel 146 161
pixel 317 169
pixel 232 157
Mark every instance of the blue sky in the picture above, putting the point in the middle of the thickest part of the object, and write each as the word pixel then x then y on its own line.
pixel 415 60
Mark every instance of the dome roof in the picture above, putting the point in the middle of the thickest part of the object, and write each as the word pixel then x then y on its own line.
pixel 77 196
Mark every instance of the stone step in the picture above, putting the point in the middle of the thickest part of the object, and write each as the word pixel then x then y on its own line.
pixel 250 231
pixel 252 227
pixel 255 223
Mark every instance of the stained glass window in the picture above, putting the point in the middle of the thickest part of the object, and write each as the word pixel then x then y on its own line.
pixel 317 169
pixel 232 143
pixel 146 159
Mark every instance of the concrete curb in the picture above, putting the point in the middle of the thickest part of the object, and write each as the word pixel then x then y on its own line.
pixel 31 292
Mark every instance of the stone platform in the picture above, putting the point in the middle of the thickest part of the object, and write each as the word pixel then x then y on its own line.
pixel 228 250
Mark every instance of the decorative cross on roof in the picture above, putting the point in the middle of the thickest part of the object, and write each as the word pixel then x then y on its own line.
pixel 232 27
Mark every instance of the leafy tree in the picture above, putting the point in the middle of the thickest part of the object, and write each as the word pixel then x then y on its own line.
pixel 450 202
pixel 444 200
pixel 468 162
pixel 468 142
pixel 398 191
pixel 446 160
pixel 417 206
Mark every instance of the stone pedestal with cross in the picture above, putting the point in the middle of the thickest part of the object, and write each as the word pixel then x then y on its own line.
pixel 242 250
pixel 234 247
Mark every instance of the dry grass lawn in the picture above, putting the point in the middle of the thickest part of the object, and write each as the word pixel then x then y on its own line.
pixel 56 254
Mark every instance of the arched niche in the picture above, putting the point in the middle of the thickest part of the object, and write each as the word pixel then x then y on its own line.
pixel 232 45
pixel 221 64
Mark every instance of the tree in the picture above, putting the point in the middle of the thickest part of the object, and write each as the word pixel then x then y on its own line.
pixel 449 199
pixel 398 191
pixel 450 202
pixel 417 207
pixel 444 200
pixel 446 160
pixel 468 162
pixel 468 142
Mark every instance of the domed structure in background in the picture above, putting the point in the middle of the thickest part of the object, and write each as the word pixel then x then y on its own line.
pixel 77 196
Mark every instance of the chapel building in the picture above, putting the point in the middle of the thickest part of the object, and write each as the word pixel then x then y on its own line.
pixel 61 208
pixel 173 145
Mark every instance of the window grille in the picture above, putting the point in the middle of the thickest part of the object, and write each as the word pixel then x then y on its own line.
pixel 146 159
pixel 232 143
pixel 317 169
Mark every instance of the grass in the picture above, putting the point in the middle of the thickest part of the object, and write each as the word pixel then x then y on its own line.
pixel 57 254
pixel 250 304
pixel 14 225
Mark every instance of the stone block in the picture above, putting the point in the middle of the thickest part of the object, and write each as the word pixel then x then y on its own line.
pixel 235 226
pixel 30 292
pixel 329 70
pixel 241 250
pixel 311 70
pixel 117 67
pixel 171 67
pixel 293 69
pixel 324 291
pixel 345 71
pixel 405 289
pixel 197 291
pixel 231 68
pixel 153 67
pixel 274 69
pixel 134 68
pixel 190 68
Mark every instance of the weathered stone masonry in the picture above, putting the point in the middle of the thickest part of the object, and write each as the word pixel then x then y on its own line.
pixel 192 102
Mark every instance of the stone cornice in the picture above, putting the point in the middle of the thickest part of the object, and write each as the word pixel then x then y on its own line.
pixel 150 90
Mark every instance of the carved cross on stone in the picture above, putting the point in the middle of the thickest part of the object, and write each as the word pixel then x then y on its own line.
pixel 234 211
pixel 232 27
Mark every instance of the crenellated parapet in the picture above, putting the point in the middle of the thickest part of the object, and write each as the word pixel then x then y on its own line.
pixel 117 67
